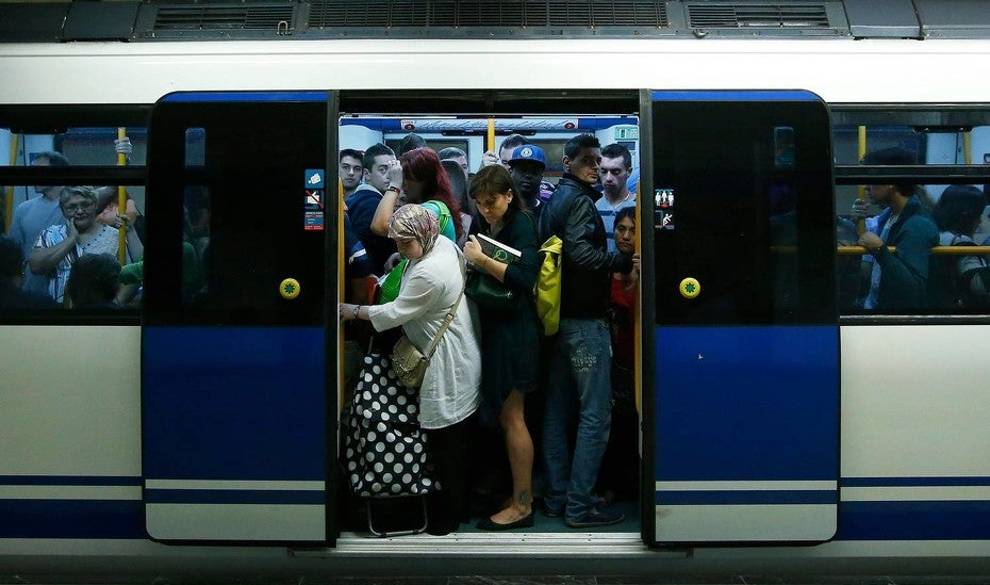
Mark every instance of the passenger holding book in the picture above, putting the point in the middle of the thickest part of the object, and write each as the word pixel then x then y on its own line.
pixel 510 329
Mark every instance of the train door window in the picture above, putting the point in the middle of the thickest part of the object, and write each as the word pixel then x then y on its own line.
pixel 745 315
pixel 941 221
pixel 488 471
pixel 234 355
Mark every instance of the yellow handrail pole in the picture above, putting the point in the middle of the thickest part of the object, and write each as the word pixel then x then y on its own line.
pixel 968 147
pixel 936 251
pixel 122 204
pixel 15 141
pixel 491 136
pixel 861 223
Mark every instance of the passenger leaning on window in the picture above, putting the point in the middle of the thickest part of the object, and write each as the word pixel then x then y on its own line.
pixel 449 395
pixel 898 279
pixel 580 364
pixel 418 177
pixel 510 334
pixel 59 246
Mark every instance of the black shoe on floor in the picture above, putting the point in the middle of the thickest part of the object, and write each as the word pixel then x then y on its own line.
pixel 489 524
pixel 551 513
pixel 597 518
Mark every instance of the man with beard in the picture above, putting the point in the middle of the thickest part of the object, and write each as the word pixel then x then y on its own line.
pixel 526 166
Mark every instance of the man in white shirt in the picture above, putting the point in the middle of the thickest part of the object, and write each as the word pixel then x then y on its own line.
pixel 614 172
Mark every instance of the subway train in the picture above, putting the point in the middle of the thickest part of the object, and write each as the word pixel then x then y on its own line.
pixel 783 428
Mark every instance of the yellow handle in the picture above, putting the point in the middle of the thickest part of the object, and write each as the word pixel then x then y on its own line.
pixel 15 140
pixel 861 224
pixel 491 135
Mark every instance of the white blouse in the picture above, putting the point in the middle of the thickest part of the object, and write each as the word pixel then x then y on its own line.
pixel 431 284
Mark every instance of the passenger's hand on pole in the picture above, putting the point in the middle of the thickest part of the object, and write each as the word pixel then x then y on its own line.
pixel 490 158
pixel 870 241
pixel 395 175
pixel 473 251
pixel 123 146
pixel 634 273
pixel 345 311
pixel 860 209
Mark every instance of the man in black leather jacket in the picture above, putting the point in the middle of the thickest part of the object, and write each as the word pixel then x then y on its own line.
pixel 580 364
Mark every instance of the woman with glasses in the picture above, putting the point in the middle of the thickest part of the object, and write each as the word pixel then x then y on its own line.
pixel 59 246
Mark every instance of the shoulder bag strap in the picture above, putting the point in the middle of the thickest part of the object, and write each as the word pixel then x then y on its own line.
pixel 451 313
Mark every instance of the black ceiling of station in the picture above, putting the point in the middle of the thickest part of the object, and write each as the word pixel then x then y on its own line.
pixel 178 20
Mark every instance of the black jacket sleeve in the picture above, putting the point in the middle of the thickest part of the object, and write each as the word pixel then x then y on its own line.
pixel 578 249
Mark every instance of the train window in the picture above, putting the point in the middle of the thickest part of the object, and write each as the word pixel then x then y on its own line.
pixel 79 146
pixel 42 272
pixel 925 240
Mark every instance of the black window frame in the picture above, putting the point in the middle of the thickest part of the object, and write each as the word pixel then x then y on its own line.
pixel 54 119
pixel 930 115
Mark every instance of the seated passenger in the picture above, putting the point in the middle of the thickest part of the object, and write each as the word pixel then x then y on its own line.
pixel 620 466
pixel 959 282
pixel 93 282
pixel 431 287
pixel 363 202
pixel 420 178
pixel 580 367
pixel 58 246
pixel 11 280
pixel 510 335
pixel 898 279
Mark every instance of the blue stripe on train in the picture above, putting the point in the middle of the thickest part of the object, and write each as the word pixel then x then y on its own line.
pixel 157 496
pixel 728 497
pixel 735 96
pixel 72 519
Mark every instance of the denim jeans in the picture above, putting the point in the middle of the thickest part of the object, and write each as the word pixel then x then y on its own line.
pixel 579 380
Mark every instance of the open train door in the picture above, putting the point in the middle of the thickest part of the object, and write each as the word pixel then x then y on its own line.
pixel 741 336
pixel 236 362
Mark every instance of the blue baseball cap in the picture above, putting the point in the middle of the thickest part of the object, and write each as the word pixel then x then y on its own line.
pixel 529 152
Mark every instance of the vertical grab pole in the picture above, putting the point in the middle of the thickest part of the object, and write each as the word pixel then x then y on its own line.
pixel 861 223
pixel 637 307
pixel 490 146
pixel 968 147
pixel 15 140
pixel 122 205
pixel 341 285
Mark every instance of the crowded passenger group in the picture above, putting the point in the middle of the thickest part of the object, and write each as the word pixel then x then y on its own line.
pixel 455 264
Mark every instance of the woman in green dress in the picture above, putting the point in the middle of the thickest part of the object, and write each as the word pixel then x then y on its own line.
pixel 510 335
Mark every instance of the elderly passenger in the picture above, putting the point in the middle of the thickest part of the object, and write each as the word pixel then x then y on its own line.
pixel 431 286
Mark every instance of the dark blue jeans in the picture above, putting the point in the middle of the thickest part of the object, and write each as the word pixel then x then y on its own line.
pixel 579 370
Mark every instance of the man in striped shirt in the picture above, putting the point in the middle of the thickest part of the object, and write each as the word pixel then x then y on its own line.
pixel 614 172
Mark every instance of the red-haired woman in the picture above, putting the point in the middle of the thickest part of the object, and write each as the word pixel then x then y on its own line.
pixel 418 177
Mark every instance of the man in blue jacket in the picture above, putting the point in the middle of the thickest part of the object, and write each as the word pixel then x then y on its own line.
pixel 580 363
pixel 899 278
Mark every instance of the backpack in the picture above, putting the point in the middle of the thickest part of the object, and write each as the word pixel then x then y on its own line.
pixel 548 285
pixel 948 290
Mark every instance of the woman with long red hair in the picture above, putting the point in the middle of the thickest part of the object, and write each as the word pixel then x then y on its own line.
pixel 418 177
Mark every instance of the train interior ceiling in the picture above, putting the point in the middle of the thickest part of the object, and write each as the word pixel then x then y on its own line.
pixel 489 475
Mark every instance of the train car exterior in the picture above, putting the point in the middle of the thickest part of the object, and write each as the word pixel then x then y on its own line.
pixel 913 484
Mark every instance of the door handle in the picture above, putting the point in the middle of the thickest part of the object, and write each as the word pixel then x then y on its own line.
pixel 289 289
pixel 690 288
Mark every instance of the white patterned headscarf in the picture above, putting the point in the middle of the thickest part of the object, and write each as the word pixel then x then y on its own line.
pixel 414 222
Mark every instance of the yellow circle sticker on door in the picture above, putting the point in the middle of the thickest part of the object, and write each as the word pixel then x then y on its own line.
pixel 289 288
pixel 690 288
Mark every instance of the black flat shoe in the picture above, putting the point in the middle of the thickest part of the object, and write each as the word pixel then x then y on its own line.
pixel 488 524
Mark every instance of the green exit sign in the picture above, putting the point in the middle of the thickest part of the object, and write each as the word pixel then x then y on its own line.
pixel 629 133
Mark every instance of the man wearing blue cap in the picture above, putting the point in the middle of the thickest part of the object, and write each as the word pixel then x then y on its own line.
pixel 526 166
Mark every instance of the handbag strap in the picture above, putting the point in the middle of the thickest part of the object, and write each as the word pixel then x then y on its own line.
pixel 451 313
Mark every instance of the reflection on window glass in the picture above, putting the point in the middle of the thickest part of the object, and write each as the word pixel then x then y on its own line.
pixel 927 270
pixel 79 146
pixel 195 148
pixel 195 243
pixel 48 244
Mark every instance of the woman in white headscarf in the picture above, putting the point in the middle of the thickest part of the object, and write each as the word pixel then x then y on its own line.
pixel 449 395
